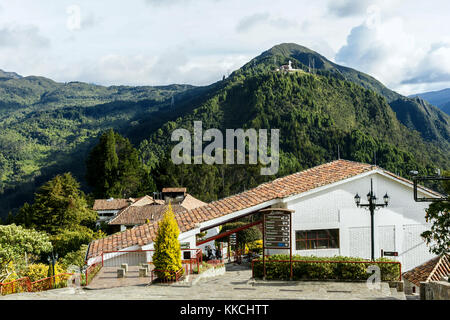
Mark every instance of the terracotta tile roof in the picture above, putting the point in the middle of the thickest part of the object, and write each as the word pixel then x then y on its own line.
pixel 136 215
pixel 290 185
pixel 111 204
pixel 432 270
pixel 190 202
pixel 174 190
pixel 148 209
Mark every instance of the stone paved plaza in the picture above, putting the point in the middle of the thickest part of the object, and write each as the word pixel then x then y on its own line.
pixel 235 284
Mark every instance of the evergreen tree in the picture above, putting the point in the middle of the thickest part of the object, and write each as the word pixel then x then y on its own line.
pixel 167 254
pixel 58 205
pixel 114 168
pixel 60 209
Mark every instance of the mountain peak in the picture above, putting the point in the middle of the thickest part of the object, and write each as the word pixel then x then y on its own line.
pixel 9 75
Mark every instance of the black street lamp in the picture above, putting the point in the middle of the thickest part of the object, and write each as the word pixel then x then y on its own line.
pixel 372 206
pixel 52 259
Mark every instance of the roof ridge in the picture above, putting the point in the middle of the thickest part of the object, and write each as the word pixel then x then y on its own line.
pixel 118 214
pixel 434 269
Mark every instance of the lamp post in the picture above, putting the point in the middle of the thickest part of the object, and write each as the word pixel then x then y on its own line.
pixel 372 206
pixel 52 259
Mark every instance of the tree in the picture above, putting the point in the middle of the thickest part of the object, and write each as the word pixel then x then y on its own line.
pixel 60 209
pixel 438 238
pixel 67 241
pixel 17 245
pixel 114 168
pixel 167 254
pixel 59 205
pixel 243 237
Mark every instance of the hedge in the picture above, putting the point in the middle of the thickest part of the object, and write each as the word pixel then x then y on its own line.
pixel 323 271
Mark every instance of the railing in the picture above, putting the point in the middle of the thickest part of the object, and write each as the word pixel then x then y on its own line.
pixel 15 286
pixel 90 272
pixel 329 262
pixel 136 258
pixel 25 285
pixel 57 281
pixel 173 276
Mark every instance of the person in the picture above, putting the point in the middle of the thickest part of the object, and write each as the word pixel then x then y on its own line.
pixel 209 253
pixel 218 253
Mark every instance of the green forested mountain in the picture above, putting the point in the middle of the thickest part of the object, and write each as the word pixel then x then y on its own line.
pixel 48 128
pixel 440 99
pixel 434 126
pixel 315 115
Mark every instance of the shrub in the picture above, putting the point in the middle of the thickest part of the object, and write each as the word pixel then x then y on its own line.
pixel 167 254
pixel 75 258
pixel 40 271
pixel 276 270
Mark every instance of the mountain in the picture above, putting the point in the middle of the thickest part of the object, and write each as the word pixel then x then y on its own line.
pixel 435 126
pixel 316 110
pixel 8 75
pixel 48 127
pixel 440 99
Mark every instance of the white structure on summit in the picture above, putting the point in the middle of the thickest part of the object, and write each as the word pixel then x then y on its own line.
pixel 287 67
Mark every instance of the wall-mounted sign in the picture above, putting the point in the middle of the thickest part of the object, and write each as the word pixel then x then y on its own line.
pixel 389 253
pixel 185 245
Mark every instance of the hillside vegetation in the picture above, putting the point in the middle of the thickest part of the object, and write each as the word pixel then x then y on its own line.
pixel 47 128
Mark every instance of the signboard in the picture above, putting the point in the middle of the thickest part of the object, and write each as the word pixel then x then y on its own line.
pixel 277 231
pixel 233 239
pixel 185 245
pixel 389 253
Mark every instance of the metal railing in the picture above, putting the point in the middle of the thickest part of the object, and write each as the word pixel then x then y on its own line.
pixel 57 281
pixel 90 273
pixel 137 258
pixel 15 286
pixel 166 276
pixel 25 285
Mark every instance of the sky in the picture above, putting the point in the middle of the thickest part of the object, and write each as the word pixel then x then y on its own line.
pixel 403 43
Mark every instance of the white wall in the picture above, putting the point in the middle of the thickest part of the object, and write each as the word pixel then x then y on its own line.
pixel 397 227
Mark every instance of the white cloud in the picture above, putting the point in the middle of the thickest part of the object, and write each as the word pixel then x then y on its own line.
pixel 264 19
pixel 158 42
pixel 381 47
pixel 22 37
pixel 345 8
pixel 433 67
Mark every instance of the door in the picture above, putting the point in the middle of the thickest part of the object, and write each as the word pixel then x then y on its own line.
pixel 360 242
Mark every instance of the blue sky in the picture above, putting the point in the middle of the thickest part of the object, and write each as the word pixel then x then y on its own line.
pixel 404 44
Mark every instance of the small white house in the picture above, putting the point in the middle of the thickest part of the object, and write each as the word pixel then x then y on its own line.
pixel 325 218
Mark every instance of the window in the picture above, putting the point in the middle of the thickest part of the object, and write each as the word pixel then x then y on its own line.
pixel 316 239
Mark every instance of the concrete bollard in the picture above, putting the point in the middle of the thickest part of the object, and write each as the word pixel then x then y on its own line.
pixel 146 266
pixel 124 266
pixel 121 273
pixel 143 272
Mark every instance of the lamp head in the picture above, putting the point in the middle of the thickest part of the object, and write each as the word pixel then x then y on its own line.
pixel 357 200
pixel 386 199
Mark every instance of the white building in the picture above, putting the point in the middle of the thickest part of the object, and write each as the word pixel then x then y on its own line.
pixel 325 221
